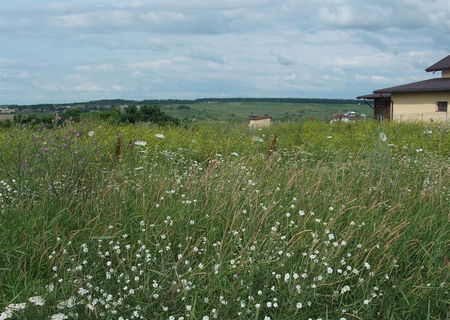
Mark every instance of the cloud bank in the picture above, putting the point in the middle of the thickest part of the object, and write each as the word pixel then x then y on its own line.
pixel 79 50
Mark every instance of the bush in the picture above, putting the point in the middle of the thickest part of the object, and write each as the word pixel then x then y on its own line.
pixel 147 114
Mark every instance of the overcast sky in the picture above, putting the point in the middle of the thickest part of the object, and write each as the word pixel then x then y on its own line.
pixel 77 50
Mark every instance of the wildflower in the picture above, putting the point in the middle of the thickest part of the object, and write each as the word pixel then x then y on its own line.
pixel 299 305
pixel 160 136
pixel 37 301
pixel 6 314
pixel 345 289
pixel 140 143
pixel 367 265
pixel 383 137
pixel 59 316
pixel 17 306
pixel 91 133
pixel 82 291
pixel 329 270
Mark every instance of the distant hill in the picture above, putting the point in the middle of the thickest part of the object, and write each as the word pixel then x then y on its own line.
pixel 119 102
pixel 216 109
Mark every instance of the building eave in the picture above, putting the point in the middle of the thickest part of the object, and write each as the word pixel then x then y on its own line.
pixel 430 85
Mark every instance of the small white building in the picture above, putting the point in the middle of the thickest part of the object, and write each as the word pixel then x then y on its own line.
pixel 7 110
pixel 260 121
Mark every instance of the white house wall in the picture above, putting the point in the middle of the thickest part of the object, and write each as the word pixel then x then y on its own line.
pixel 419 106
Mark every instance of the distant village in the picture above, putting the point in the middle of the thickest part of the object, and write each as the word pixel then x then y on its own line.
pixel 8 110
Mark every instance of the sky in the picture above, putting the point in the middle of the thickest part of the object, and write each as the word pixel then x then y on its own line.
pixel 79 50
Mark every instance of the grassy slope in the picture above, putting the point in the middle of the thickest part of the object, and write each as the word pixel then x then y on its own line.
pixel 208 222
pixel 279 111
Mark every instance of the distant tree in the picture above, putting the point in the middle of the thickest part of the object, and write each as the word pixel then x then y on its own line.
pixel 130 114
pixel 71 114
pixel 147 114
pixel 154 114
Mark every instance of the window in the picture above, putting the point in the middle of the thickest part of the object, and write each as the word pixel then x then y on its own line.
pixel 442 106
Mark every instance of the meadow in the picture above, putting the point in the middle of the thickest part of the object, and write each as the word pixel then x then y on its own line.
pixel 279 111
pixel 301 220
pixel 4 117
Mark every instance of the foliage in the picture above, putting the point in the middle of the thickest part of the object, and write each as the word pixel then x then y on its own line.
pixel 133 114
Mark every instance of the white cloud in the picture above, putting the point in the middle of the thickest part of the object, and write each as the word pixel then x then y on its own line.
pixel 83 68
pixel 105 66
pixel 381 79
pixel 88 87
pixel 116 87
pixel 100 67
pixel 283 60
pixel 94 19
pixel 160 64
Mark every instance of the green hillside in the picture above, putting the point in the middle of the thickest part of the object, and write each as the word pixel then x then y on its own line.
pixel 240 111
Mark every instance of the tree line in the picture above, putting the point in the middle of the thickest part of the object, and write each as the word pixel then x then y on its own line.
pixel 131 114
pixel 111 103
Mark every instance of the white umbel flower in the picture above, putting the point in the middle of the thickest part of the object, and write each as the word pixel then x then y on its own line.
pixel 37 300
pixel 140 143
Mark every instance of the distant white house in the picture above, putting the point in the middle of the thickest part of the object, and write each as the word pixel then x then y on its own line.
pixel 260 121
pixel 346 117
pixel 7 110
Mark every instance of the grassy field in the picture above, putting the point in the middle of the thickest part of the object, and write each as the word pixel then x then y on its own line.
pixel 241 111
pixel 302 220
pixel 6 117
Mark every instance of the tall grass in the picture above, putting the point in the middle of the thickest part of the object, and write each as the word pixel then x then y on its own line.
pixel 207 223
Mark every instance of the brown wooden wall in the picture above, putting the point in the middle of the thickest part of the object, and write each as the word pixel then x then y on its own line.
pixel 382 108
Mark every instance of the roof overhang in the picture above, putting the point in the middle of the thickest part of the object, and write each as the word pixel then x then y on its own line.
pixel 440 65
pixel 430 85
pixel 375 95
